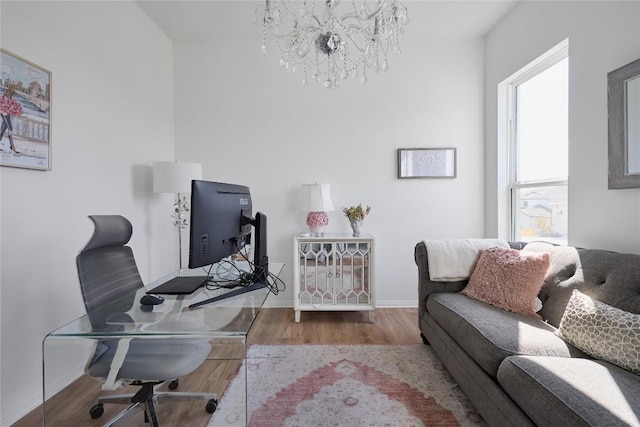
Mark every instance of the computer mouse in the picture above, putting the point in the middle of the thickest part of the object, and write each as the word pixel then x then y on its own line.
pixel 151 299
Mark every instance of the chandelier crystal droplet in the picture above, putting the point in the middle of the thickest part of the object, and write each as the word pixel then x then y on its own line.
pixel 328 45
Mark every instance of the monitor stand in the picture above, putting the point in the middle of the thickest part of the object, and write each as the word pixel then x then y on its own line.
pixel 250 288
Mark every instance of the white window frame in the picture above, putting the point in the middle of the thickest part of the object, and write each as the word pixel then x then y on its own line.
pixel 507 182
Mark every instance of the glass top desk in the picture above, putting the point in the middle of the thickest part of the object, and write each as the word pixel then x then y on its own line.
pixel 225 324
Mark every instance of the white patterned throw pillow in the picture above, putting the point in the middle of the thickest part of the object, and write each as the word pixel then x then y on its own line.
pixel 602 331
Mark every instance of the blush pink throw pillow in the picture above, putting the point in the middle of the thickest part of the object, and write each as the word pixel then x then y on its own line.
pixel 508 279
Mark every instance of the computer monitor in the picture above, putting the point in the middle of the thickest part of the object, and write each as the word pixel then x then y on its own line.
pixel 221 217
pixel 221 225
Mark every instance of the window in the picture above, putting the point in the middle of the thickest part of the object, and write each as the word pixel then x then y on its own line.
pixel 537 148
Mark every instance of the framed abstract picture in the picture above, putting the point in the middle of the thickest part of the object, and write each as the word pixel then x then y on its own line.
pixel 426 163
pixel 25 110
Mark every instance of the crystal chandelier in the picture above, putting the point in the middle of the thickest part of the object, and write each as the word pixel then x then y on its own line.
pixel 328 47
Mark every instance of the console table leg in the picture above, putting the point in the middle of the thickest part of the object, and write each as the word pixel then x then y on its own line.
pixel 371 316
pixel 297 316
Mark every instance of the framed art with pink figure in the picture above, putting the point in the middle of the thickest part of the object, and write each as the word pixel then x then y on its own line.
pixel 25 110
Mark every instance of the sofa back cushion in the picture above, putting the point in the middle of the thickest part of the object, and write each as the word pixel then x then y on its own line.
pixel 610 277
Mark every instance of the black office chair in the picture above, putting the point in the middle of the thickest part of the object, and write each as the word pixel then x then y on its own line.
pixel 109 280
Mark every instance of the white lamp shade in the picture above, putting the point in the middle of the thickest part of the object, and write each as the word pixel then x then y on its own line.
pixel 316 198
pixel 175 177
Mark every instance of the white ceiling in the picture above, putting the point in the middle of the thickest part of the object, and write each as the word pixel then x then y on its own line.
pixel 226 20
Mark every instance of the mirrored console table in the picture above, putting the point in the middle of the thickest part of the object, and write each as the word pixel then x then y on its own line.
pixel 333 272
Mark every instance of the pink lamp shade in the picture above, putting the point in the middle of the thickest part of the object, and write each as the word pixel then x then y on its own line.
pixel 316 199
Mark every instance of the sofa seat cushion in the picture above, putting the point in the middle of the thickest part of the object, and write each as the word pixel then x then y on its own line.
pixel 489 334
pixel 557 391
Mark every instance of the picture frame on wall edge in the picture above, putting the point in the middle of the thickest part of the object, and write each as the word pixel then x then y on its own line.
pixel 25 110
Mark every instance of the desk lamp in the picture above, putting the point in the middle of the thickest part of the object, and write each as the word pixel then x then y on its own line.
pixel 175 177
pixel 316 199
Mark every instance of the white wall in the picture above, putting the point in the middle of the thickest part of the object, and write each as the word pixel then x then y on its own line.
pixel 602 36
pixel 112 115
pixel 251 122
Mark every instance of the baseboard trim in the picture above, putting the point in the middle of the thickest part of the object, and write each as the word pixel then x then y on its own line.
pixel 275 303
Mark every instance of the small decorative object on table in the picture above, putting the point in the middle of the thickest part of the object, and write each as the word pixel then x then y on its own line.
pixel 356 215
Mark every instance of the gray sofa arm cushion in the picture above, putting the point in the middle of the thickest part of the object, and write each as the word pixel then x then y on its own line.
pixel 425 285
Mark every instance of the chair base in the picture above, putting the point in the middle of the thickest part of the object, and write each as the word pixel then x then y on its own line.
pixel 146 400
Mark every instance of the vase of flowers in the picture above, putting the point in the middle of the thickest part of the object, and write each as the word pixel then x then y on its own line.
pixel 356 214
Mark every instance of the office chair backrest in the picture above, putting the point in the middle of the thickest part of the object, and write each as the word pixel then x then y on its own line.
pixel 107 270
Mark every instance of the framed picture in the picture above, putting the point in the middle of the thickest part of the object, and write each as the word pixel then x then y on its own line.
pixel 25 110
pixel 426 163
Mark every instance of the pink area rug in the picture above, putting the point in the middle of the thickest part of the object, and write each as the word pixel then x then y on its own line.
pixel 345 385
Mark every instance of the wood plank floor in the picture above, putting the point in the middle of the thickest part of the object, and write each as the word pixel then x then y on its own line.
pixel 71 406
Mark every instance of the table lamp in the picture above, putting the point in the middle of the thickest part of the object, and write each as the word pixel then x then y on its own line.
pixel 316 199
pixel 175 177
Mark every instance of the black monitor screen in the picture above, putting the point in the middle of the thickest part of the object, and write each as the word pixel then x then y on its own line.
pixel 220 221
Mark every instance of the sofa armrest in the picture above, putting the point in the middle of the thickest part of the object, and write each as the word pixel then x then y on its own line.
pixel 425 285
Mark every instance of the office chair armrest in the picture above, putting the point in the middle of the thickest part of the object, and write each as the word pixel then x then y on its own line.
pixel 126 319
pixel 119 319
pixel 112 382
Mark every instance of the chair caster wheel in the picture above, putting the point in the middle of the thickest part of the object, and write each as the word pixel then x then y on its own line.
pixel 174 384
pixel 212 405
pixel 96 411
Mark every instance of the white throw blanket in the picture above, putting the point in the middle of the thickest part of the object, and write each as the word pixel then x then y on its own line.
pixel 454 260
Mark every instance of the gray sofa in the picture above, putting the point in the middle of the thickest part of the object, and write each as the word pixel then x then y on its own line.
pixel 514 368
